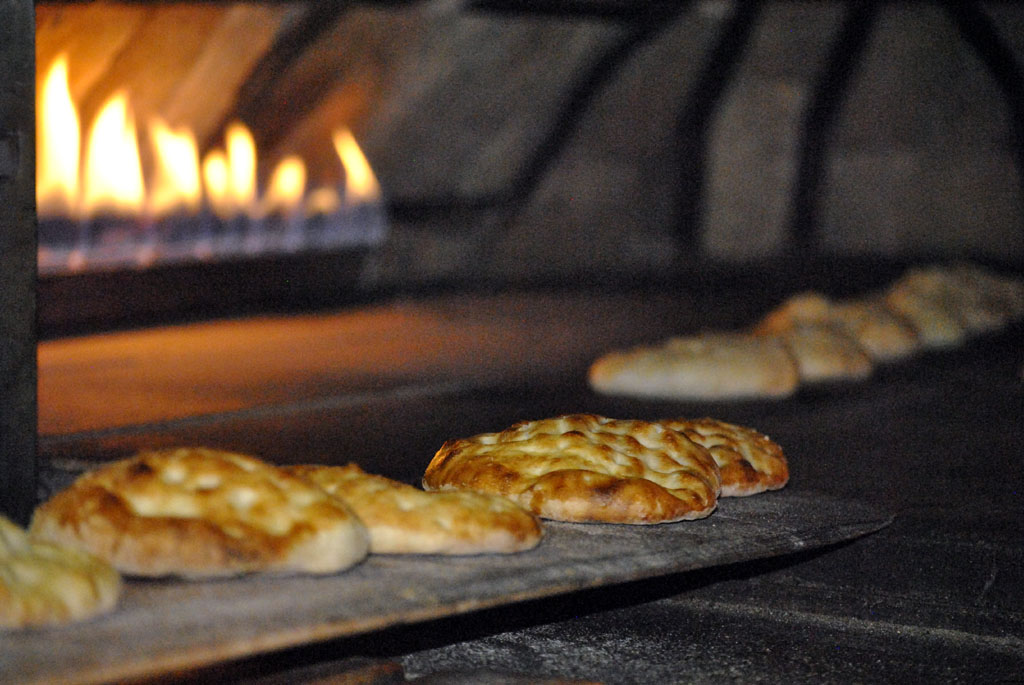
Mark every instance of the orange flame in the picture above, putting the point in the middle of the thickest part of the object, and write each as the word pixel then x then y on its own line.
pixel 58 144
pixel 107 177
pixel 241 155
pixel 287 187
pixel 113 170
pixel 360 183
pixel 216 181
pixel 176 185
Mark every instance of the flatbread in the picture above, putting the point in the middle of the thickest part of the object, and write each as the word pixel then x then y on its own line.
pixel 585 468
pixel 805 307
pixel 882 333
pixel 948 304
pixel 402 519
pixel 43 584
pixel 749 461
pixel 985 301
pixel 927 298
pixel 711 366
pixel 825 353
pixel 877 330
pixel 198 513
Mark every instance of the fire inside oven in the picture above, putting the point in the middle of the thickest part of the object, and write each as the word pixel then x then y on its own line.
pixel 123 180
pixel 520 142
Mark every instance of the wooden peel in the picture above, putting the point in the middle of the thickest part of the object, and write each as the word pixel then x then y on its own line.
pixel 167 626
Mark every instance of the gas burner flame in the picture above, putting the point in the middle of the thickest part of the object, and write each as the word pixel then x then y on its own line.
pixel 97 204
pixel 112 175
pixel 58 151
pixel 177 187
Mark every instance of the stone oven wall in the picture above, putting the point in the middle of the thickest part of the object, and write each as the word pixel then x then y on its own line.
pixel 523 145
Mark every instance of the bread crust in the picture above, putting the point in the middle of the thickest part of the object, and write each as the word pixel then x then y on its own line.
pixel 926 298
pixel 947 304
pixel 199 513
pixel 402 519
pixel 43 584
pixel 585 468
pixel 879 333
pixel 749 461
pixel 985 300
pixel 808 306
pixel 824 353
pixel 712 366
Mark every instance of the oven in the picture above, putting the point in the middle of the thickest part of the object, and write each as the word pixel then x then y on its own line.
pixel 493 194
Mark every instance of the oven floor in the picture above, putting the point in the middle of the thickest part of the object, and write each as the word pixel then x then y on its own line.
pixel 937 596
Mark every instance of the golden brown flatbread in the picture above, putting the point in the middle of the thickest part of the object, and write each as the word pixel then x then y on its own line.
pixel 802 308
pixel 927 298
pixel 585 468
pixel 948 304
pixel 197 513
pixel 883 334
pixel 402 519
pixel 712 366
pixel 749 461
pixel 879 332
pixel 45 584
pixel 985 301
pixel 824 353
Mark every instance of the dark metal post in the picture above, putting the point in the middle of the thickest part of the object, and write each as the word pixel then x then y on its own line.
pixel 18 469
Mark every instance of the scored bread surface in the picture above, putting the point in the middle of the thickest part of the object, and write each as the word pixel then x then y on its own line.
pixel 43 584
pixel 749 461
pixel 805 307
pixel 585 468
pixel 402 519
pixel 197 512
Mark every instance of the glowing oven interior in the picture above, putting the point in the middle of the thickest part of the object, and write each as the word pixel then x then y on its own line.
pixel 562 141
pixel 123 180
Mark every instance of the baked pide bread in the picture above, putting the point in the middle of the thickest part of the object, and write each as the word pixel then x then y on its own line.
pixel 585 468
pixel 882 333
pixel 929 300
pixel 712 366
pixel 874 328
pixel 802 308
pixel 43 584
pixel 824 353
pixel 200 513
pixel 749 461
pixel 810 338
pixel 985 301
pixel 402 519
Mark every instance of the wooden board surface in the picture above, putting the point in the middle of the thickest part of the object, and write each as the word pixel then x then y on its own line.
pixel 162 626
